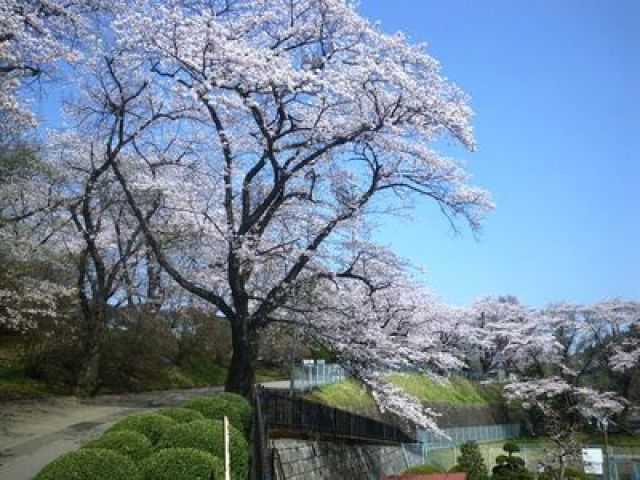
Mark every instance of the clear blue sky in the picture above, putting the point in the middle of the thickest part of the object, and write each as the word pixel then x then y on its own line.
pixel 556 88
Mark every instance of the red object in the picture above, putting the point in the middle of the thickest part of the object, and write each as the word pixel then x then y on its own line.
pixel 428 476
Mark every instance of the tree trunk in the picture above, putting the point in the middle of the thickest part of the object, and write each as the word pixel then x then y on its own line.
pixel 88 377
pixel 87 384
pixel 624 383
pixel 241 376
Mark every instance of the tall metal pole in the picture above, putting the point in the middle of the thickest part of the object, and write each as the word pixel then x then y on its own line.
pixel 227 459
pixel 605 424
pixel 294 347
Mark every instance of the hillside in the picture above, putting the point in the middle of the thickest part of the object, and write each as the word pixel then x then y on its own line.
pixel 350 395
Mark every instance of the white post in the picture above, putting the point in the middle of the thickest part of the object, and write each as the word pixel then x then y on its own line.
pixel 227 462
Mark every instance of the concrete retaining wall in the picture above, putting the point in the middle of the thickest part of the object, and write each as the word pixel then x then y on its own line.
pixel 314 460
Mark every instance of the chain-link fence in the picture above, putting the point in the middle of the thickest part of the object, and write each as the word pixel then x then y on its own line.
pixel 312 375
pixel 478 433
pixel 413 454
pixel 624 463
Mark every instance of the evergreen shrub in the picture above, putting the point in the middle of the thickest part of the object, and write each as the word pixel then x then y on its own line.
pixel 182 415
pixel 182 464
pixel 232 405
pixel 90 464
pixel 132 444
pixel 150 425
pixel 208 435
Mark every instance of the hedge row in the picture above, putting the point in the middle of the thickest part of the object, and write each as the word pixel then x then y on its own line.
pixel 176 443
pixel 198 434
pixel 232 405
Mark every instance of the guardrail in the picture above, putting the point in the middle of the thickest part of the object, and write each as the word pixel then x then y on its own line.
pixel 284 412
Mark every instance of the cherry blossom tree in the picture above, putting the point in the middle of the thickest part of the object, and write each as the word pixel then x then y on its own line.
pixel 623 318
pixel 67 205
pixel 373 333
pixel 30 289
pixel 622 354
pixel 110 249
pixel 594 338
pixel 255 145
pixel 565 388
pixel 297 123
pixel 626 354
pixel 510 337
pixel 566 407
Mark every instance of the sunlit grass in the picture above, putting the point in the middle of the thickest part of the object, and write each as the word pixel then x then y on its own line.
pixel 348 395
pixel 351 395
pixel 456 390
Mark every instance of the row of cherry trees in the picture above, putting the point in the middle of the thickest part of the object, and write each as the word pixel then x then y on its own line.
pixel 572 364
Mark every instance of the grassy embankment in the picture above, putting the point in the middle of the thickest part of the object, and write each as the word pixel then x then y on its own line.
pixel 350 395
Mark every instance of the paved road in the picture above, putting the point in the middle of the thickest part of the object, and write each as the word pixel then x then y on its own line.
pixel 34 432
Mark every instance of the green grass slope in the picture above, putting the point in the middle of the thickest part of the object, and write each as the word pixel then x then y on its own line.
pixel 456 391
pixel 352 396
pixel 347 395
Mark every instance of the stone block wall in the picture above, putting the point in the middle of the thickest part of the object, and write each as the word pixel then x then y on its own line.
pixel 315 460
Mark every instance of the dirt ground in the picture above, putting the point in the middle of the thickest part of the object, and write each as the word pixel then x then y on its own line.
pixel 33 432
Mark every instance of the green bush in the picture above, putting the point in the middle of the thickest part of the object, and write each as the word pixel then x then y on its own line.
pixel 471 462
pixel 151 425
pixel 132 444
pixel 182 464
pixel 234 406
pixel 182 415
pixel 90 464
pixel 510 467
pixel 426 468
pixel 135 359
pixel 233 398
pixel 208 435
pixel 511 447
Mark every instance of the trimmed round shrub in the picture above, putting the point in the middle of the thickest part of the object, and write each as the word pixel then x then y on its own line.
pixel 511 447
pixel 234 406
pixel 208 435
pixel 150 425
pixel 233 398
pixel 425 468
pixel 182 464
pixel 90 464
pixel 182 415
pixel 132 444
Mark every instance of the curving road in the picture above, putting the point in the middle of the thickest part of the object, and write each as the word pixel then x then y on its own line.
pixel 34 432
